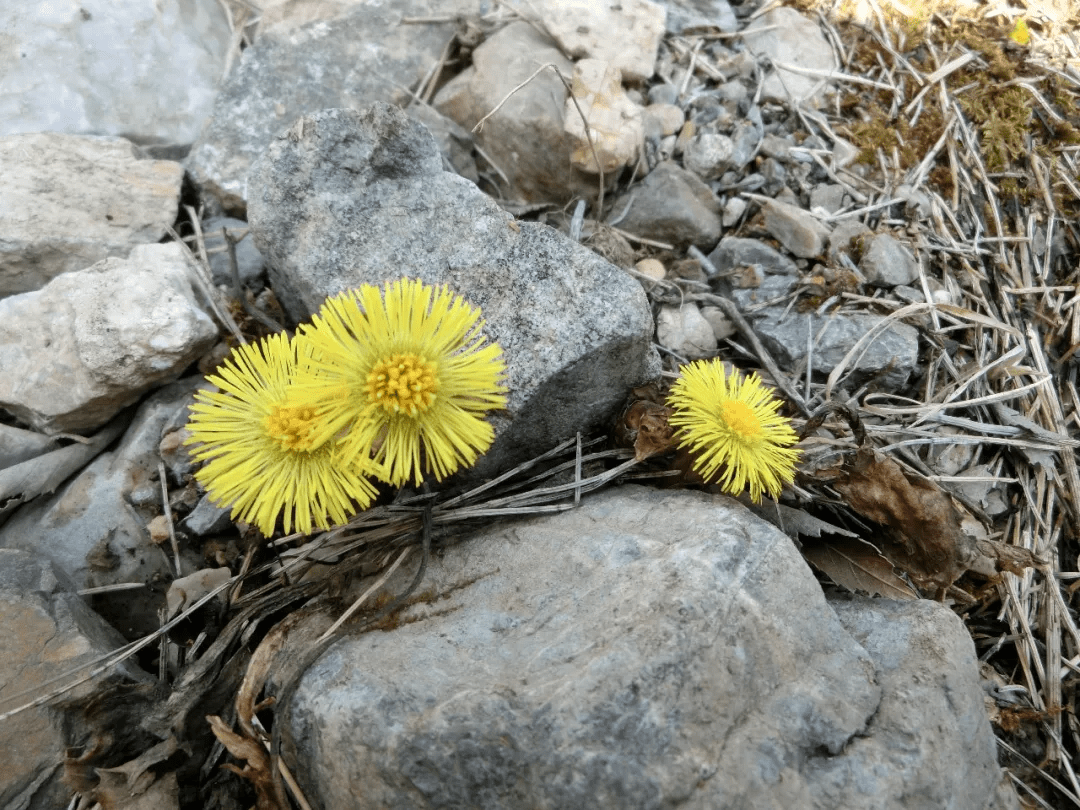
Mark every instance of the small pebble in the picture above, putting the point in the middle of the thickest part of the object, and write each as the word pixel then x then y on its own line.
pixel 653 268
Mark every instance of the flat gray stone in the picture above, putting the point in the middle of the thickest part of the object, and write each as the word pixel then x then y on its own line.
pixel 94 527
pixel 785 36
pixel 48 630
pixel 649 649
pixel 145 71
pixel 685 331
pixel 887 263
pixel 349 61
pixel 708 155
pixel 347 198
pixel 799 231
pixel 671 205
pixel 91 342
pixel 892 353
pixel 68 201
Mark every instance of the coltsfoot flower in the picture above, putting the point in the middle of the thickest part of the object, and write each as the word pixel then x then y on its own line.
pixel 402 376
pixel 730 421
pixel 261 455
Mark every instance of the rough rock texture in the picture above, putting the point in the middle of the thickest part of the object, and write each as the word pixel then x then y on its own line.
pixel 892 353
pixel 930 738
pixel 646 650
pixel 787 37
pixel 47 630
pixel 91 342
pixel 94 527
pixel 626 34
pixel 685 331
pixel 525 136
pixel 887 263
pixel 615 125
pixel 347 198
pixel 799 231
pixel 350 61
pixel 145 71
pixel 68 201
pixel 671 205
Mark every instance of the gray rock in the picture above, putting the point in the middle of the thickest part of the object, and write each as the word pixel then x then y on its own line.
pixel 91 342
pixel 892 354
pixel 928 672
pixel 733 211
pixel 455 142
pixel 786 37
pixel 68 201
pixel 797 230
pixel 847 237
pixel 326 209
pixel 745 139
pixel 684 14
pixel 663 94
pixel 94 527
pixel 626 35
pixel 734 252
pixel 350 61
pixel 48 630
pixel 671 205
pixel 19 445
pixel 886 263
pixel 525 137
pixel 777 147
pixel 646 650
pixel 828 196
pixel 249 262
pixel 708 155
pixel 145 71
pixel 685 331
pixel 207 518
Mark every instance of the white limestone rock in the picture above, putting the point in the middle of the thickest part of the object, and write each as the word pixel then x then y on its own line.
pixel 68 201
pixel 93 341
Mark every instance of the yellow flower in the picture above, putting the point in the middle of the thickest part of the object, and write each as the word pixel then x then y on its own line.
pixel 731 421
pixel 259 448
pixel 404 376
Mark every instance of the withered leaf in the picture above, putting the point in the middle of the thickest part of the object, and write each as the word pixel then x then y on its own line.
pixel 795 523
pixel 856 565
pixel 645 425
pixel 924 535
pixel 258 767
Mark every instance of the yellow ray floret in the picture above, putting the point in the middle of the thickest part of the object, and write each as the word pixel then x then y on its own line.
pixel 402 376
pixel 261 453
pixel 730 421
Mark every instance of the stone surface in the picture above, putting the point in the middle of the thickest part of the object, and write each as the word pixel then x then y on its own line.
pixel 348 61
pixel 829 197
pixel 734 252
pixel 68 201
pixel 930 742
pixel 786 37
pixel 625 34
pixel 684 14
pixel 892 354
pixel 327 211
pixel 797 230
pixel 648 650
pixel 708 155
pixel 91 342
pixel 145 71
pixel 671 205
pixel 887 263
pixel 206 518
pixel 662 119
pixel 525 136
pixel 94 527
pixel 48 630
pixel 685 331
pixel 615 125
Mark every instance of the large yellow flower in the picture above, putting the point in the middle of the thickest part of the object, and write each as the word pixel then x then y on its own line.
pixel 261 456
pixel 731 422
pixel 402 376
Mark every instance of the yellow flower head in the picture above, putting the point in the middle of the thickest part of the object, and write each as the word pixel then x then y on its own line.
pixel 260 448
pixel 403 376
pixel 731 421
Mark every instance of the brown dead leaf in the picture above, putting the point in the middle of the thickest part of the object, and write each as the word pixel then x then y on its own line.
pixel 924 536
pixel 647 424
pixel 856 565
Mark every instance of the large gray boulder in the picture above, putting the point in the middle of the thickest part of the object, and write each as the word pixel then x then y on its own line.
pixel 346 198
pixel 645 650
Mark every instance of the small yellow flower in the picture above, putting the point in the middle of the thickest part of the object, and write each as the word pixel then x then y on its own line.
pixel 403 376
pixel 731 421
pixel 259 448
